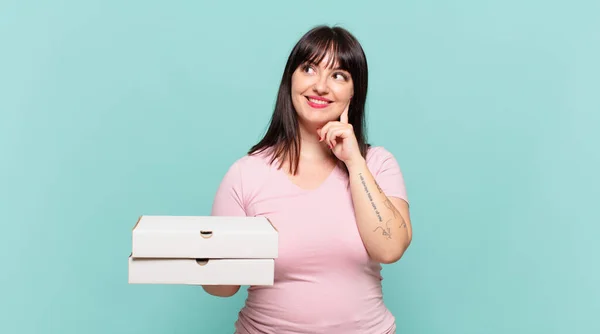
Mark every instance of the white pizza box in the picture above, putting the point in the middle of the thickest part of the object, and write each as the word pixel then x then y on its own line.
pixel 201 271
pixel 205 237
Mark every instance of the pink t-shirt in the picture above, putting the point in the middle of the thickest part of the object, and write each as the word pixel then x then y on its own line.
pixel 325 281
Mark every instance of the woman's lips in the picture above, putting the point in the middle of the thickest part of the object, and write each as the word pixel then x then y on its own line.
pixel 317 102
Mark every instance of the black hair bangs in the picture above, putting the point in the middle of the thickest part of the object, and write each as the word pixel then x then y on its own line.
pixel 328 44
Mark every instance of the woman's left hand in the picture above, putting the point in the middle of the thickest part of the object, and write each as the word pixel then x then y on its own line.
pixel 341 139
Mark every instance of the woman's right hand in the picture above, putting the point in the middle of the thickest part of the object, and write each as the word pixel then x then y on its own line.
pixel 221 290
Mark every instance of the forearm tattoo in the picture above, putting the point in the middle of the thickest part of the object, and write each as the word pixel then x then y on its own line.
pixel 362 180
pixel 385 231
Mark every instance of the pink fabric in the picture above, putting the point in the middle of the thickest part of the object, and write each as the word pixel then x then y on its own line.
pixel 324 279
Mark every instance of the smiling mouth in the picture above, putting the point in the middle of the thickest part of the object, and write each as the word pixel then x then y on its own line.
pixel 317 102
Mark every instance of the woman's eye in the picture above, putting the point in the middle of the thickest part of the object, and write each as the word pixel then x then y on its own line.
pixel 339 76
pixel 308 69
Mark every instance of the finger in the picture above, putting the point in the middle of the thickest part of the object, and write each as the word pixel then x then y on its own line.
pixel 344 116
pixel 333 134
pixel 322 131
pixel 339 134
pixel 325 130
pixel 328 134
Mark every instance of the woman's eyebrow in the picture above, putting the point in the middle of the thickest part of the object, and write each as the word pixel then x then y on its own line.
pixel 337 68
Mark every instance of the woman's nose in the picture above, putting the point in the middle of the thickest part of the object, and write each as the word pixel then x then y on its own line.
pixel 321 85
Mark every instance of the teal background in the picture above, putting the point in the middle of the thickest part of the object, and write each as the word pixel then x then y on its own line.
pixel 113 109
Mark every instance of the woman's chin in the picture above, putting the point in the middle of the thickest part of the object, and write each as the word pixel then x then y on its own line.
pixel 314 124
pixel 316 119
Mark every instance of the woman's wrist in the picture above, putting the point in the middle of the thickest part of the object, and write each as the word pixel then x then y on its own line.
pixel 358 163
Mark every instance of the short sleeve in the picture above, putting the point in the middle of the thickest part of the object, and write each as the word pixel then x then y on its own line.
pixel 228 199
pixel 387 173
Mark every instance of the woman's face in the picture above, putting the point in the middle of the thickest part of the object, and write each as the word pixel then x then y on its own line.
pixel 320 94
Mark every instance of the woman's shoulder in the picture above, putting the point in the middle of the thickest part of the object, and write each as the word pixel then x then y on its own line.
pixel 246 177
pixel 251 166
pixel 378 154
pixel 258 160
pixel 381 160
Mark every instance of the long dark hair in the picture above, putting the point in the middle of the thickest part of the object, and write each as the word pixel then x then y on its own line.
pixel 283 135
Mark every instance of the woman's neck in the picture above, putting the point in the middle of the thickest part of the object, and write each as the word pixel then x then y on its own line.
pixel 312 149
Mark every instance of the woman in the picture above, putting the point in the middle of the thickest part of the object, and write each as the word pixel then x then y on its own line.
pixel 339 204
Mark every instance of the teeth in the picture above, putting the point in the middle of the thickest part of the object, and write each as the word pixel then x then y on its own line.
pixel 318 101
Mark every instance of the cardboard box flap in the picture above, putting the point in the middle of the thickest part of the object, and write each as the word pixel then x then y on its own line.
pixel 204 237
pixel 206 272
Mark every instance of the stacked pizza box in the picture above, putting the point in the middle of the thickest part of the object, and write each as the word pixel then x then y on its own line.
pixel 203 250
